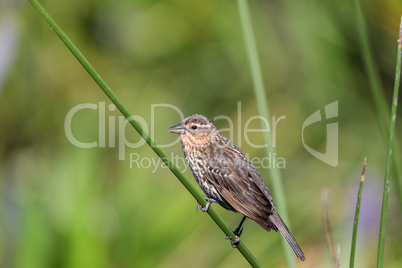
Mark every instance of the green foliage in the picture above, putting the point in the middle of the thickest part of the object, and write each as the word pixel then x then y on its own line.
pixel 390 154
pixel 62 206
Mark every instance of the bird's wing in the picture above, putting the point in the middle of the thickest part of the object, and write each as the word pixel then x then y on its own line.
pixel 239 183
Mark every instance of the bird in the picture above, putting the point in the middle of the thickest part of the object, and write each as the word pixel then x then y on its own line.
pixel 229 178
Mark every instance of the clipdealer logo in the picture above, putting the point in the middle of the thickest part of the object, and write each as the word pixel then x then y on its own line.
pixel 117 139
pixel 330 156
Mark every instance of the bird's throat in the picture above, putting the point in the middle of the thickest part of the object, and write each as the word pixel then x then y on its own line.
pixel 192 143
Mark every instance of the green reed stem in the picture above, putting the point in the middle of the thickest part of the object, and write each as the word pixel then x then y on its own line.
pixel 384 211
pixel 112 96
pixel 262 106
pixel 377 91
pixel 356 221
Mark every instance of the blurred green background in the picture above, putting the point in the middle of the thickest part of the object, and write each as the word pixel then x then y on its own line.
pixel 65 206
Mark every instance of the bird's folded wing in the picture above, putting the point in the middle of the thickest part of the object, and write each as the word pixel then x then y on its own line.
pixel 239 190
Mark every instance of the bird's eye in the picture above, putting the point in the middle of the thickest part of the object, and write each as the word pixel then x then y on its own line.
pixel 194 127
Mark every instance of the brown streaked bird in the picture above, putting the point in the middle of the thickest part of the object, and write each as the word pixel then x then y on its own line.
pixel 228 177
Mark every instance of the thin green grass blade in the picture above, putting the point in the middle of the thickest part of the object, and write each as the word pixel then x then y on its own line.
pixel 377 92
pixel 263 110
pixel 112 96
pixel 356 221
pixel 381 242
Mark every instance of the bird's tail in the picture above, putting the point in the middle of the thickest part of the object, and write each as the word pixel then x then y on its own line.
pixel 283 229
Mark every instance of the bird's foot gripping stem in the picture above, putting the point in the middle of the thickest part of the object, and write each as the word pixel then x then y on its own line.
pixel 209 202
pixel 237 232
pixel 235 243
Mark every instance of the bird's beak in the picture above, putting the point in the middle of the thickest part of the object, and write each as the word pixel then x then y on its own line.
pixel 178 129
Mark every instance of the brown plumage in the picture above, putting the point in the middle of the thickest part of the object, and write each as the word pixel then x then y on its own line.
pixel 228 177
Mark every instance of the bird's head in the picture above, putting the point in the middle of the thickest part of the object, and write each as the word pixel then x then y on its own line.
pixel 195 129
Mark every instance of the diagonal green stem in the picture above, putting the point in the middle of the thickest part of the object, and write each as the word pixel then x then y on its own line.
pixel 356 221
pixel 263 110
pixel 112 96
pixel 381 242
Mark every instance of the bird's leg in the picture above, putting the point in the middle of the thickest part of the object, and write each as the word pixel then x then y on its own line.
pixel 239 229
pixel 209 202
pixel 237 232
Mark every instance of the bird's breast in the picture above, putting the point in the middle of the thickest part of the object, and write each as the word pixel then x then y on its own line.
pixel 197 164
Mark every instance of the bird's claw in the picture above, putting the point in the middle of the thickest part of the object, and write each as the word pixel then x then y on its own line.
pixel 235 243
pixel 237 232
pixel 205 209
